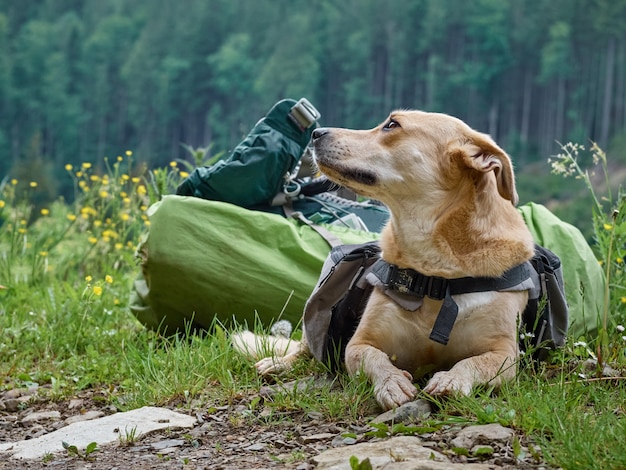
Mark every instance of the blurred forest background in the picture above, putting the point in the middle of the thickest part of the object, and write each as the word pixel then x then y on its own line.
pixel 85 79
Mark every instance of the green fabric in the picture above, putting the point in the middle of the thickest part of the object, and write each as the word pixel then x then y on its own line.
pixel 203 259
pixel 207 259
pixel 255 172
pixel 583 275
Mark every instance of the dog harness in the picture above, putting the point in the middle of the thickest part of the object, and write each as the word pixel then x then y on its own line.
pixel 408 288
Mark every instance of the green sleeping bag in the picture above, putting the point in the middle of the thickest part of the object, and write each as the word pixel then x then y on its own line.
pixel 203 259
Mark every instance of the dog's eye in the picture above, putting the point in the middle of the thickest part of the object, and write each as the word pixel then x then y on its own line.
pixel 391 125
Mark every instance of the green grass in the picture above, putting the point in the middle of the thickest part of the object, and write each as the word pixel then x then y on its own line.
pixel 65 277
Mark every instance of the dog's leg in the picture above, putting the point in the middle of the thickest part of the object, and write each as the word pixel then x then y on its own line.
pixel 283 351
pixel 275 363
pixel 392 386
pixel 489 368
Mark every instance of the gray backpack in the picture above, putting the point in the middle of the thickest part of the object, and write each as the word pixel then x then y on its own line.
pixel 334 309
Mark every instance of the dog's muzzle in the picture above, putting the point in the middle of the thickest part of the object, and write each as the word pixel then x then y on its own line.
pixel 326 155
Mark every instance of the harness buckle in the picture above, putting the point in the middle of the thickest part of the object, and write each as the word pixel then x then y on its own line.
pixel 401 280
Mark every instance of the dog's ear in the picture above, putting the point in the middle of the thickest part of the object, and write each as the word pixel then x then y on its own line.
pixel 482 154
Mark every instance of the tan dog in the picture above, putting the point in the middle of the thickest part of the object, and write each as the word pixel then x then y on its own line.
pixel 451 194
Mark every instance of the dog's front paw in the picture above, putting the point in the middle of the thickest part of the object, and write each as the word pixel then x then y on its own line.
pixel 270 365
pixel 394 390
pixel 448 383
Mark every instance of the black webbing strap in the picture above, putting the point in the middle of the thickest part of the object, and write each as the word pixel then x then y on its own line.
pixel 411 282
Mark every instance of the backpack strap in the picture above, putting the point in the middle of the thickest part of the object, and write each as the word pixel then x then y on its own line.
pixel 327 235
pixel 414 283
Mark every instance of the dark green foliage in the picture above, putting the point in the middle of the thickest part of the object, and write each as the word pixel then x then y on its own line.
pixel 84 79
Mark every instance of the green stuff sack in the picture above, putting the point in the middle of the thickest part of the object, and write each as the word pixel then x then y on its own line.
pixel 255 171
pixel 583 276
pixel 204 259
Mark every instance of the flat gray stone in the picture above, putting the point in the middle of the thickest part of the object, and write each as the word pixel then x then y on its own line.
pixel 410 411
pixel 40 416
pixel 397 453
pixel 93 414
pixel 103 431
pixel 470 436
pixel 167 443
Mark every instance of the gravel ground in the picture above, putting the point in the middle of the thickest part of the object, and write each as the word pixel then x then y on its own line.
pixel 225 437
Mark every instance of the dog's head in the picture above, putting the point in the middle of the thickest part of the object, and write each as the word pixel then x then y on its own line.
pixel 414 153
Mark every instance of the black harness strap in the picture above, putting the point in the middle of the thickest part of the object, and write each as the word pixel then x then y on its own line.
pixel 411 282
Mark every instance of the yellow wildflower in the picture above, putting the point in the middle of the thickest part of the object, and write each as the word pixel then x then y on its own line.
pixel 2 203
pixel 97 290
pixel 135 179
pixel 45 212
pixel 119 246
pixel 104 194
pixel 33 184
pixel 126 200
pixel 69 167
pixel 173 164
pixel 125 177
pixel 13 181
pixel 22 230
pixel 619 260
pixel 123 194
pixel 92 240
pixel 108 279
pixel 97 223
pixel 128 153
pixel 125 217
pixel 79 174
pixel 94 178
pixel 184 174
pixel 623 299
pixel 141 190
pixel 119 158
pixel 43 254
pixel 71 217
pixel 608 226
pixel 86 165
pixel 88 278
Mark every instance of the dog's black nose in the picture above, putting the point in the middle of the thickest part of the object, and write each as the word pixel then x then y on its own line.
pixel 319 133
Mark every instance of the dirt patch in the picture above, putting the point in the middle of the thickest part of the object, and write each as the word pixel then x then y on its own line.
pixel 224 437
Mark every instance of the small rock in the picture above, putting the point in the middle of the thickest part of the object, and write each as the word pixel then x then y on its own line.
pixel 412 410
pixel 76 403
pixel 167 443
pixel 13 393
pixel 256 447
pixel 470 436
pixel 343 441
pixel 40 416
pixel 84 416
pixel 317 437
pixel 11 404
